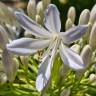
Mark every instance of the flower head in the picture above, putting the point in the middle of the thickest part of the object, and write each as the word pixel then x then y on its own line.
pixel 50 38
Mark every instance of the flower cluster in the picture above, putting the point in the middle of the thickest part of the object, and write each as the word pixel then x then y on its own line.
pixel 50 38
pixel 44 27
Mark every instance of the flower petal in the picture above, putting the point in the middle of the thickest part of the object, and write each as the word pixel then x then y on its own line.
pixel 31 25
pixel 71 58
pixel 52 19
pixel 44 73
pixel 45 70
pixel 22 51
pixel 29 43
pixel 74 33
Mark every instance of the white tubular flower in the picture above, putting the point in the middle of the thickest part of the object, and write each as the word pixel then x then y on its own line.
pixel 50 38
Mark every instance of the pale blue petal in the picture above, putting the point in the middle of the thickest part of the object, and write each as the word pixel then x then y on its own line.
pixel 29 43
pixel 45 70
pixel 70 58
pixel 52 19
pixel 44 73
pixel 73 33
pixel 22 51
pixel 32 26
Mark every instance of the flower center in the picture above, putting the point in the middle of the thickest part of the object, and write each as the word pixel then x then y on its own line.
pixel 56 36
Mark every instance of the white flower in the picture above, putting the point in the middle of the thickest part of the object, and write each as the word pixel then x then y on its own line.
pixel 49 37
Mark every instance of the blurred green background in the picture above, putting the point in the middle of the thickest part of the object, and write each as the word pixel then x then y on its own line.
pixel 63 6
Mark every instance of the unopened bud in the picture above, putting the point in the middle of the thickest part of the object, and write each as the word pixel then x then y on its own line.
pixel 31 9
pixel 87 34
pixel 92 40
pixel 92 77
pixel 68 24
pixel 3 37
pixel 86 55
pixel 84 17
pixel 63 1
pixel 24 60
pixel 66 92
pixel 93 15
pixel 46 3
pixel 7 15
pixel 76 48
pixel 45 94
pixel 38 19
pixel 27 34
pixel 63 72
pixel 71 14
pixel 40 9
pixel 3 78
pixel 10 66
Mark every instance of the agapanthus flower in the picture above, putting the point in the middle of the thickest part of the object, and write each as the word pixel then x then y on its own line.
pixel 51 38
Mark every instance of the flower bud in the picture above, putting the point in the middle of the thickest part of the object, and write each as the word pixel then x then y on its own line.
pixel 71 14
pixel 65 92
pixel 86 55
pixel 63 1
pixel 76 48
pixel 87 34
pixel 84 17
pixel 40 9
pixel 46 3
pixel 3 78
pixel 68 24
pixel 31 8
pixel 45 94
pixel 38 19
pixel 27 33
pixel 63 72
pixel 93 15
pixel 24 60
pixel 3 37
pixel 92 77
pixel 92 39
pixel 10 66
pixel 6 11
